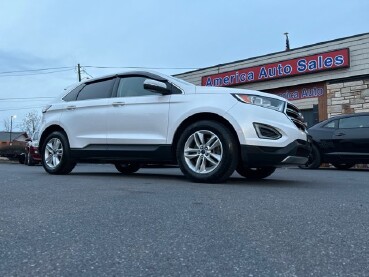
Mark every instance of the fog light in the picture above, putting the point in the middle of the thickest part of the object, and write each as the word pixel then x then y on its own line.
pixel 266 132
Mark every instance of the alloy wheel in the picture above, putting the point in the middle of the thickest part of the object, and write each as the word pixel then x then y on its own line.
pixel 53 153
pixel 203 151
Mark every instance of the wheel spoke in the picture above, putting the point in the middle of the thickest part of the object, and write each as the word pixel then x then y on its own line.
pixel 215 144
pixel 57 145
pixel 198 164
pixel 203 164
pixel 211 140
pixel 49 159
pixel 55 161
pixel 191 153
pixel 197 139
pixel 49 148
pixel 210 159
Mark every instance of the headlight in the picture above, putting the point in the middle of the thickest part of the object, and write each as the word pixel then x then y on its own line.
pixel 262 101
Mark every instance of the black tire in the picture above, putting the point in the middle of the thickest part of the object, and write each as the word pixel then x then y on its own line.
pixel 21 158
pixel 343 166
pixel 214 152
pixel 26 159
pixel 256 173
pixel 127 168
pixel 30 161
pixel 55 154
pixel 314 160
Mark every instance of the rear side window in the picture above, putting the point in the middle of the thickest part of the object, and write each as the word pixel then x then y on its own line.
pixel 354 122
pixel 331 125
pixel 101 89
pixel 72 95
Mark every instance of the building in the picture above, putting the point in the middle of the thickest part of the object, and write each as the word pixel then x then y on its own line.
pixel 12 144
pixel 322 80
pixel 14 137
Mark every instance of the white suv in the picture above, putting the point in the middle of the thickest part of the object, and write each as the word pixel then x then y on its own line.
pixel 137 118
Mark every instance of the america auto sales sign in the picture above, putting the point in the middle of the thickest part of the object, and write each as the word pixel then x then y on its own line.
pixel 299 66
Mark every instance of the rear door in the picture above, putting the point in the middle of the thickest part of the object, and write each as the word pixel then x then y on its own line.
pixel 84 116
pixel 352 137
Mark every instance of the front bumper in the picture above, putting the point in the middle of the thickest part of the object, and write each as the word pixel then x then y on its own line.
pixel 295 153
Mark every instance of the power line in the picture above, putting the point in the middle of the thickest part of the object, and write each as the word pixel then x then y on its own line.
pixel 31 74
pixel 24 108
pixel 141 67
pixel 33 70
pixel 26 98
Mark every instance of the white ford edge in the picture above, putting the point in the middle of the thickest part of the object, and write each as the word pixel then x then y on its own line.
pixel 137 118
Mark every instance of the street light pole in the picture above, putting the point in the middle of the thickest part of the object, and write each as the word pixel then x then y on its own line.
pixel 11 127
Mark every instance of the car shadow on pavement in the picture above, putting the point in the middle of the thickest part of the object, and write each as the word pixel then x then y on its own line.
pixel 238 181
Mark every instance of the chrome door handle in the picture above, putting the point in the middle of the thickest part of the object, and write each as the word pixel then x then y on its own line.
pixel 117 104
pixel 71 108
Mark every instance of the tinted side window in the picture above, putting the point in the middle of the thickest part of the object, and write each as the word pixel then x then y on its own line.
pixel 355 122
pixel 72 95
pixel 332 124
pixel 97 90
pixel 133 86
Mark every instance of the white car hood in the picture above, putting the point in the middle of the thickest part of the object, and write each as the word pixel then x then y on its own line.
pixel 217 90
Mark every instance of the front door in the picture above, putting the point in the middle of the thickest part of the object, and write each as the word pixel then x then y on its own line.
pixel 137 116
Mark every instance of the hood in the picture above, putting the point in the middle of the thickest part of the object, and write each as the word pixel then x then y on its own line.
pixel 218 90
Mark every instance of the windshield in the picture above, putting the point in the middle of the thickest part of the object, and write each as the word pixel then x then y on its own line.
pixel 183 82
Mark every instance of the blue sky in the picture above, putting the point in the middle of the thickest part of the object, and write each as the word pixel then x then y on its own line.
pixel 160 34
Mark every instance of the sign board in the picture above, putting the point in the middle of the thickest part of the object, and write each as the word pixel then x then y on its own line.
pixel 299 66
pixel 300 92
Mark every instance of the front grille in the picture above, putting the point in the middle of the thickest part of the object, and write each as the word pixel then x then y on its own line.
pixel 295 115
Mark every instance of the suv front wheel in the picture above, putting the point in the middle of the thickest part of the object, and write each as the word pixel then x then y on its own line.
pixel 56 156
pixel 207 152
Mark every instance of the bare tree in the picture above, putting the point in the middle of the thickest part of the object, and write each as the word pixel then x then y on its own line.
pixel 30 123
pixel 6 123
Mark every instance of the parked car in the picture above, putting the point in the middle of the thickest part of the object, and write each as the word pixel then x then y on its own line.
pixel 137 118
pixel 342 141
pixel 32 155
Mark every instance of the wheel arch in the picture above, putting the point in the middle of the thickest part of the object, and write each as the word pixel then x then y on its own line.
pixel 48 131
pixel 198 117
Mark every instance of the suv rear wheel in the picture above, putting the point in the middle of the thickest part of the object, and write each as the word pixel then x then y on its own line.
pixel 127 168
pixel 207 152
pixel 343 165
pixel 56 157
pixel 255 173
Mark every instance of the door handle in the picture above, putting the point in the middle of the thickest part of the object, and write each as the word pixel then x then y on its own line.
pixel 340 134
pixel 118 104
pixel 71 108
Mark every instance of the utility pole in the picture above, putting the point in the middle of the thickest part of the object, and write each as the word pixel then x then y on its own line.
pixel 79 72
pixel 11 127
pixel 287 42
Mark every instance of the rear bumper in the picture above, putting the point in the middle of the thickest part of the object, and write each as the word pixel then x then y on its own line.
pixel 295 153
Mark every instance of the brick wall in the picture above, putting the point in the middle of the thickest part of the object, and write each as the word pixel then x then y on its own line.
pixel 348 97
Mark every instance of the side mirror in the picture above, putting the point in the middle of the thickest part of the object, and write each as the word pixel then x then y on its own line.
pixel 156 86
pixel 28 139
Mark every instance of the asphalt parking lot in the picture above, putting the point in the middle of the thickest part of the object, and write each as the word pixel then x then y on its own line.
pixel 97 222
